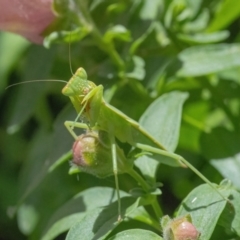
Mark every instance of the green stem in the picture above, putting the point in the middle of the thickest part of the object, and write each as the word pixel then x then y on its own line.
pixel 139 179
pixel 105 46
pixel 145 186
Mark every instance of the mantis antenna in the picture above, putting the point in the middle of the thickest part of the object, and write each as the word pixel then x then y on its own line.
pixel 32 81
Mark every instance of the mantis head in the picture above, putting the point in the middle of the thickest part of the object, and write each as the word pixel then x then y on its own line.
pixel 78 85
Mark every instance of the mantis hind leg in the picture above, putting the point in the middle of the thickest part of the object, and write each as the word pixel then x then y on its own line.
pixel 70 124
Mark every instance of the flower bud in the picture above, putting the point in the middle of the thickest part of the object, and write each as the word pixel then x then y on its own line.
pixel 179 229
pixel 92 154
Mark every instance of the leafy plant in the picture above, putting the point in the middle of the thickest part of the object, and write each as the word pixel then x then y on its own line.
pixel 171 65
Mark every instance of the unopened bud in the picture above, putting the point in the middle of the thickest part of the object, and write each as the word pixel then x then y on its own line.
pixel 179 229
pixel 92 154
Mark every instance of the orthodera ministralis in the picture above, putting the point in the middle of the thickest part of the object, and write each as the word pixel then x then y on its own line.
pixel 87 99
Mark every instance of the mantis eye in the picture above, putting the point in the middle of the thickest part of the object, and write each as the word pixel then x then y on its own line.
pixel 81 73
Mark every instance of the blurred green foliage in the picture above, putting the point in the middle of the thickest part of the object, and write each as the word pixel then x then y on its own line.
pixel 138 50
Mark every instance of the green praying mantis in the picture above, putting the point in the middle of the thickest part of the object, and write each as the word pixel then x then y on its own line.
pixel 87 99
pixel 101 117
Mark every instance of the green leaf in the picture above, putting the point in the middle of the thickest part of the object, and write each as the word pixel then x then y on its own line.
pixel 30 96
pixel 138 71
pixel 142 215
pixel 229 168
pixel 205 207
pixel 8 58
pixel 66 36
pixel 136 44
pixel 42 157
pixel 201 38
pixel 167 110
pixel 151 9
pixel 136 234
pixel 230 219
pixel 203 60
pixel 228 12
pixel 148 167
pixel 99 222
pixel 77 208
pixel 198 24
pixel 117 32
pixel 27 219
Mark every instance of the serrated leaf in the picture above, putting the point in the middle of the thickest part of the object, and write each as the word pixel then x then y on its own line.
pixel 136 234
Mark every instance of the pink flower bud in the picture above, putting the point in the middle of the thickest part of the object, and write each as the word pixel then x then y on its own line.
pixel 179 229
pixel 92 154
pixel 28 18
pixel 186 231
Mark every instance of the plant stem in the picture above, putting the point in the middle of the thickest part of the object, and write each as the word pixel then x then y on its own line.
pixel 146 187
pixel 105 46
pixel 139 179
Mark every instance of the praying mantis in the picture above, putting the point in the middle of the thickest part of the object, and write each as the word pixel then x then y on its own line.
pixel 87 99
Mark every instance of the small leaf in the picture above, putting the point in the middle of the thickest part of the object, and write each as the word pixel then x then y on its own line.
pixel 201 38
pixel 27 219
pixel 117 32
pixel 136 234
pixel 148 167
pixel 138 71
pixel 65 36
pixel 229 168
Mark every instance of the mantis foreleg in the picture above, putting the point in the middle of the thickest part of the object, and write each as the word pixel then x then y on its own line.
pixel 70 125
